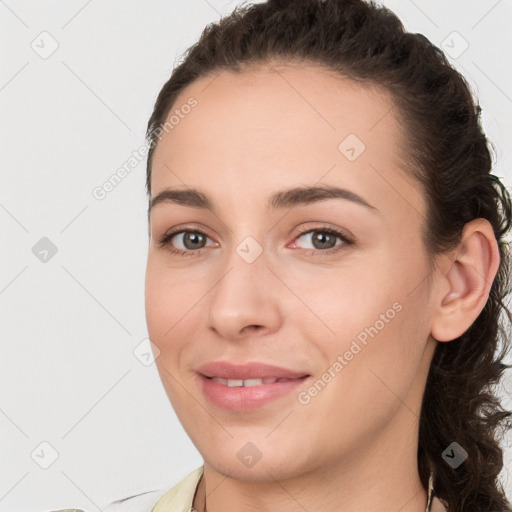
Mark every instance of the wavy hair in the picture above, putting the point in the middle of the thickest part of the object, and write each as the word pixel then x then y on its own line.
pixel 448 154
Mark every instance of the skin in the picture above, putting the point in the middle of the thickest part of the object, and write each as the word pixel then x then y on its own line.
pixel 353 447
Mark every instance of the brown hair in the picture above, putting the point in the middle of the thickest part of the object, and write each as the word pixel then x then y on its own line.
pixel 449 156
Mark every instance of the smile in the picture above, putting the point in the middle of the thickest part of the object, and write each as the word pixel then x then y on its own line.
pixel 246 395
pixel 233 383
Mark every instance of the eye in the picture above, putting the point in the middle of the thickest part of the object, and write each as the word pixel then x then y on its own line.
pixel 189 242
pixel 324 239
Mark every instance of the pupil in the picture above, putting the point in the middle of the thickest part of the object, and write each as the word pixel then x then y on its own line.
pixel 320 237
pixel 194 237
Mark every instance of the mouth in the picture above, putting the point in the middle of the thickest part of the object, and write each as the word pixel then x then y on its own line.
pixel 245 386
pixel 250 394
pixel 234 383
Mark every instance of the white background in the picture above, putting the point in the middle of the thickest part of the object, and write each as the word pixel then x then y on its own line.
pixel 69 326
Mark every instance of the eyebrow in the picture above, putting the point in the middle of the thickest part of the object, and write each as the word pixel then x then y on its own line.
pixel 290 198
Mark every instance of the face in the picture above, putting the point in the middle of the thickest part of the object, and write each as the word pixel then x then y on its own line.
pixel 330 286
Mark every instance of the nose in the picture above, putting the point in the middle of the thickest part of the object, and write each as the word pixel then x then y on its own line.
pixel 244 302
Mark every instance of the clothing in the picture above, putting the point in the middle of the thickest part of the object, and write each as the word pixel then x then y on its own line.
pixel 179 498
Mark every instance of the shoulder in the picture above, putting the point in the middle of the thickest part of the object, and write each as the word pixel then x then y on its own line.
pixel 143 502
pixel 181 496
pixel 178 498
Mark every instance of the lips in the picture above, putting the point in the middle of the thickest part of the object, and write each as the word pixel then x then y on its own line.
pixel 251 392
pixel 247 372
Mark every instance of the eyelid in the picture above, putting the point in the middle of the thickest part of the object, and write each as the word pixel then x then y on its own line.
pixel 343 233
pixel 169 234
pixel 346 240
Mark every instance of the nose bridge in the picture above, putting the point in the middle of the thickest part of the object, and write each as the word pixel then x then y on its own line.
pixel 248 243
pixel 244 295
pixel 246 271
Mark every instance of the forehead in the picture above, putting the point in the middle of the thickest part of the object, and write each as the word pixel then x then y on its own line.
pixel 279 122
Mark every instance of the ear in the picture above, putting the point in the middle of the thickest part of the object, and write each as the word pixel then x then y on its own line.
pixel 465 280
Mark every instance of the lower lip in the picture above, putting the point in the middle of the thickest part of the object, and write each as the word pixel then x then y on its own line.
pixel 245 399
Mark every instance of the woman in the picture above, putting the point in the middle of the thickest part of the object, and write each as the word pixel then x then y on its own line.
pixel 327 268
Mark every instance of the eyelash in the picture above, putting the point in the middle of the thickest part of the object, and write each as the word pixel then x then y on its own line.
pixel 164 241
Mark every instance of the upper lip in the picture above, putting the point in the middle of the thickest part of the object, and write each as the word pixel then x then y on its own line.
pixel 250 370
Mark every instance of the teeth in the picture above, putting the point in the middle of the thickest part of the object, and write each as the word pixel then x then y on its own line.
pixel 252 382
pixel 233 383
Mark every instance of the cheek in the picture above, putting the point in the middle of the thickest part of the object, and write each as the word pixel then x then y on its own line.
pixel 344 301
pixel 374 319
pixel 373 361
pixel 158 304
pixel 171 315
pixel 170 296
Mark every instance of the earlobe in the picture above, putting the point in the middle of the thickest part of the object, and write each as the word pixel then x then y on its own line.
pixel 465 281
